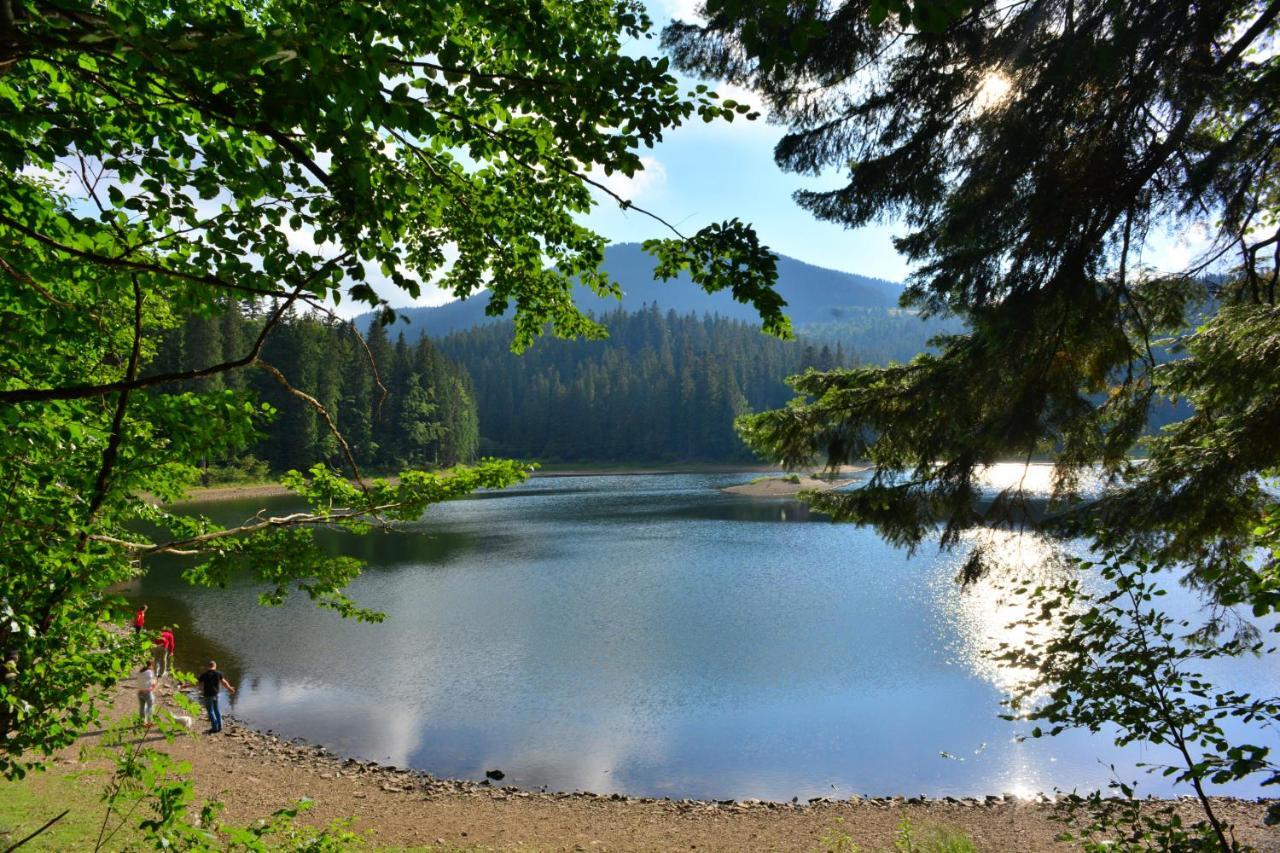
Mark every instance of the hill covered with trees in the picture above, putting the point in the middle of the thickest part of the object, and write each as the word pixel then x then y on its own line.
pixel 662 387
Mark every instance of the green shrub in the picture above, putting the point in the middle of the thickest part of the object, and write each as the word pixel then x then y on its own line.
pixel 246 469
pixel 837 840
pixel 931 839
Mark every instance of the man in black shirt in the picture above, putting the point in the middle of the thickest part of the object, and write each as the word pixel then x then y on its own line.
pixel 210 680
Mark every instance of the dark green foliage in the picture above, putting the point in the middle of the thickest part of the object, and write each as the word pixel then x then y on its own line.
pixel 1118 119
pixel 1032 151
pixel 879 336
pixel 661 388
pixel 414 410
pixel 1035 152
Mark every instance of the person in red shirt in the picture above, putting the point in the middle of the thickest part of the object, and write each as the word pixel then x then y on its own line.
pixel 164 649
pixel 140 619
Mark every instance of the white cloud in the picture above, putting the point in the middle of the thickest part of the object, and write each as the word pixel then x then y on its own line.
pixel 652 177
pixel 740 128
pixel 681 10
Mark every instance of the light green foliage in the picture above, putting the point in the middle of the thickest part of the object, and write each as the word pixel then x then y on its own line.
pixel 1120 660
pixel 151 791
pixel 907 839
pixel 172 164
pixel 27 805
pixel 1124 822
pixel 239 471
pixel 931 839
pixel 837 840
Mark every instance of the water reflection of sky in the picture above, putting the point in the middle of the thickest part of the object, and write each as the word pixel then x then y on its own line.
pixel 648 635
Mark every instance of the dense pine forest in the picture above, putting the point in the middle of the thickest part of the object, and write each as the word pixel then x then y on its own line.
pixel 427 416
pixel 662 387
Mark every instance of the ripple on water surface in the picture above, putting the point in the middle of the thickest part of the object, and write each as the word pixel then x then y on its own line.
pixel 646 634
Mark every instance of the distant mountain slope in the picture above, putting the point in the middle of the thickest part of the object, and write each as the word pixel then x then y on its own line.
pixel 814 295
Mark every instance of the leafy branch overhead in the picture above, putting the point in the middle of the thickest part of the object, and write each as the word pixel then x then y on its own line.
pixel 255 152
pixel 168 164
pixel 727 256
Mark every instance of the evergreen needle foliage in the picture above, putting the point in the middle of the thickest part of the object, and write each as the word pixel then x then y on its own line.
pixel 417 410
pixel 661 388
pixel 1033 151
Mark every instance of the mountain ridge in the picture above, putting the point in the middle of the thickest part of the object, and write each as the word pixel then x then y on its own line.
pixel 814 294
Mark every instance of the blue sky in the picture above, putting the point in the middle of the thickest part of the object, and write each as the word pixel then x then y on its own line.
pixel 703 173
pixel 708 173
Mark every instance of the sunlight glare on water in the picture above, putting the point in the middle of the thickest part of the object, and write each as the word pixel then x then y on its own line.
pixel 649 635
pixel 994 612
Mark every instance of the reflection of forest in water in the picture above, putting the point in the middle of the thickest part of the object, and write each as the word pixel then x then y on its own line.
pixel 648 634
pixel 170 604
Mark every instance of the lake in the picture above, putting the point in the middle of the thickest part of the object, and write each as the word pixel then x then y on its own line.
pixel 653 636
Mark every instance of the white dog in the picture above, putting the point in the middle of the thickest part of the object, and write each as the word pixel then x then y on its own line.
pixel 183 720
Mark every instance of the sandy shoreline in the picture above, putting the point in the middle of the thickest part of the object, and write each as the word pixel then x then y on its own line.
pixel 273 490
pixel 790 485
pixel 766 487
pixel 255 773
pixel 230 493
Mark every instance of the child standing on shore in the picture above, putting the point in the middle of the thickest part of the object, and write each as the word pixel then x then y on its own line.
pixel 146 693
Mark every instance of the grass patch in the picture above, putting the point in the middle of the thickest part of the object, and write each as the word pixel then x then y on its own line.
pixel 768 478
pixel 26 805
pixel 908 839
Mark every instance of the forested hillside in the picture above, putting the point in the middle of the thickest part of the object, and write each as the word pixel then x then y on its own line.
pixel 878 335
pixel 426 418
pixel 663 387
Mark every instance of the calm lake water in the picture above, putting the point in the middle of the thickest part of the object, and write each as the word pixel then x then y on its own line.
pixel 648 635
